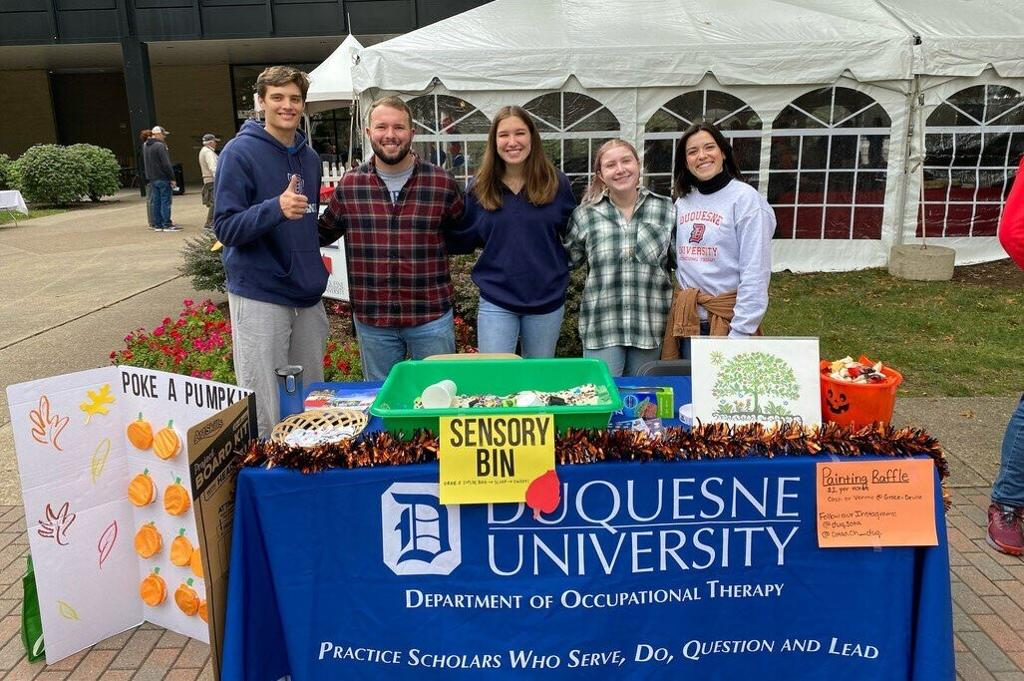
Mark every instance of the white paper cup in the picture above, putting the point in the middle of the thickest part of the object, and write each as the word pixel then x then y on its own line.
pixel 440 395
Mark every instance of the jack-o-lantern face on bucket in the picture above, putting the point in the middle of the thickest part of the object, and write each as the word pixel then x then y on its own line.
pixel 836 401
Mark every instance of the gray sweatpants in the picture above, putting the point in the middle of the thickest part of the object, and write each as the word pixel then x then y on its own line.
pixel 266 336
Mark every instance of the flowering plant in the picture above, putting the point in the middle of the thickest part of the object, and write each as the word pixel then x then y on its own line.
pixel 341 361
pixel 464 333
pixel 197 343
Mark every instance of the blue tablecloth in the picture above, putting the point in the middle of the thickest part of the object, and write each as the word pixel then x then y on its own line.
pixel 702 570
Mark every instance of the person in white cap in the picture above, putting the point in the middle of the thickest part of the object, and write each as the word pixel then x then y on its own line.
pixel 208 167
pixel 160 175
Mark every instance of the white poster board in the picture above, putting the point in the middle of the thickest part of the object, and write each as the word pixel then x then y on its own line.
pixel 337 270
pixel 756 380
pixel 76 462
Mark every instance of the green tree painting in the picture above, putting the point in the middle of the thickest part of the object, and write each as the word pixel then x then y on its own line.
pixel 749 379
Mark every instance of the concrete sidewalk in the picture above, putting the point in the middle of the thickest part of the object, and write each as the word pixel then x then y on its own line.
pixel 72 285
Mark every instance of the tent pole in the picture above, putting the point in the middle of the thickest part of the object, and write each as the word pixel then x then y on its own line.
pixel 909 167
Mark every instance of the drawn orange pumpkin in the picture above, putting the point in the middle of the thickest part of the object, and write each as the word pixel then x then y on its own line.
pixel 167 443
pixel 187 598
pixel 141 490
pixel 148 541
pixel 140 433
pixel 153 589
pixel 202 610
pixel 196 561
pixel 181 549
pixel 176 499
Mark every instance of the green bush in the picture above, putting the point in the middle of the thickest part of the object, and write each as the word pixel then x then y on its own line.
pixel 8 173
pixel 202 265
pixel 102 170
pixel 52 175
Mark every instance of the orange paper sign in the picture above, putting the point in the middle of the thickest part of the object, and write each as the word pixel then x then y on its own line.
pixel 876 503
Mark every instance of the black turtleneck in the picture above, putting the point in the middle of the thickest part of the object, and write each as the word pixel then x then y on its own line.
pixel 714 184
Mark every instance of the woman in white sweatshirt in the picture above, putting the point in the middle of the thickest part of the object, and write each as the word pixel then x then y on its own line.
pixel 723 240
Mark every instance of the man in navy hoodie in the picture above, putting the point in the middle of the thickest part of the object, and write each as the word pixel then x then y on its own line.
pixel 267 221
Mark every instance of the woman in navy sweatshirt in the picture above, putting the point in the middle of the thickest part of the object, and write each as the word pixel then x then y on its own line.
pixel 517 209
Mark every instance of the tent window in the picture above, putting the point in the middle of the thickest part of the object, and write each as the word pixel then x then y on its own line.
pixel 973 142
pixel 573 127
pixel 738 122
pixel 827 174
pixel 450 132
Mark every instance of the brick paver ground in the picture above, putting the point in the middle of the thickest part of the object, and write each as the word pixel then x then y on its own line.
pixel 988 614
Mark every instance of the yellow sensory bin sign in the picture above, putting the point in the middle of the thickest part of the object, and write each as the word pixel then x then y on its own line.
pixel 493 459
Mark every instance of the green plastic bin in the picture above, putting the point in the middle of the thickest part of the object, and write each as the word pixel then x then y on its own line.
pixel 394 403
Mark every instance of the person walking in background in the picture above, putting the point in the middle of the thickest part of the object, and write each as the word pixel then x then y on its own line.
pixel 396 212
pixel 723 245
pixel 518 208
pixel 208 168
pixel 143 136
pixel 266 194
pixel 623 232
pixel 1006 513
pixel 160 175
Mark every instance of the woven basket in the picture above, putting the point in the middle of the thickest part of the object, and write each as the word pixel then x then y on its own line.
pixel 318 419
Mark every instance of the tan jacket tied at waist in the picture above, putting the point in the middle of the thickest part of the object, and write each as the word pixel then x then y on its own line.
pixel 683 319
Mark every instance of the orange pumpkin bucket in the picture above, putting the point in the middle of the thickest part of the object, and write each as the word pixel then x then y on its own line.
pixel 858 404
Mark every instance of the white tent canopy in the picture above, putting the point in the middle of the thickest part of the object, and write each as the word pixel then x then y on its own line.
pixel 964 37
pixel 330 84
pixel 538 44
pixel 822 94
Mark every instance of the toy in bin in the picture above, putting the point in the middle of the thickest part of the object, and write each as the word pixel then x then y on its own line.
pixel 858 393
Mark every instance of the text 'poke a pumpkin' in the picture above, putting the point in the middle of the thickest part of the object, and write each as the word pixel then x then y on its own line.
pixel 148 541
pixel 166 443
pixel 140 433
pixel 202 610
pixel 141 490
pixel 176 499
pixel 187 598
pixel 181 549
pixel 196 561
pixel 153 589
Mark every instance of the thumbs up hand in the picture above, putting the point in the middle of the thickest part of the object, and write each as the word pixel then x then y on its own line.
pixel 293 204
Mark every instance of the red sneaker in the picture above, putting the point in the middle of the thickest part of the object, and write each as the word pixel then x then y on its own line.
pixel 1006 529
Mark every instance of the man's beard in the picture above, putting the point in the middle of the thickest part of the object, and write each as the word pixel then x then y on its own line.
pixel 391 159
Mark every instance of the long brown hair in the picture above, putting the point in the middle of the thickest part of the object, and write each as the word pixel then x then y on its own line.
pixel 683 178
pixel 541 176
pixel 597 186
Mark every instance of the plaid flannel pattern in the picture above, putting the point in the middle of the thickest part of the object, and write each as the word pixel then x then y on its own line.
pixel 396 255
pixel 628 289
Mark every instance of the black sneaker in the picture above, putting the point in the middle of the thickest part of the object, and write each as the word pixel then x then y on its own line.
pixel 172 228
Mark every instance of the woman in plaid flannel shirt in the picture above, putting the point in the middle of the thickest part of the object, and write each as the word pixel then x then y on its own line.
pixel 623 232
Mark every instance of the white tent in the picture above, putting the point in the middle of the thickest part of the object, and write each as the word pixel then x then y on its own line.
pixel 330 84
pixel 816 96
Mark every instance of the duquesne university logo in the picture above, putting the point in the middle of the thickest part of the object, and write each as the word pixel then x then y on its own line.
pixel 420 536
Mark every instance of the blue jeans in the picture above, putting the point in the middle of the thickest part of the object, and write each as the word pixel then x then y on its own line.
pixel 382 347
pixel 160 196
pixel 1008 489
pixel 623 360
pixel 498 329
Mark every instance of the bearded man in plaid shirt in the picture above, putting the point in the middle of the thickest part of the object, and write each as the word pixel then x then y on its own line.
pixel 396 212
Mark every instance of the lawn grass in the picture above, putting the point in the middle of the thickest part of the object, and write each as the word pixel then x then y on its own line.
pixel 957 338
pixel 7 219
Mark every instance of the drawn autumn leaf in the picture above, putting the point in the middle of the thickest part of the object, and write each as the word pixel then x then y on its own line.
pixel 97 402
pixel 106 543
pixel 55 525
pixel 46 428
pixel 99 458
pixel 67 612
